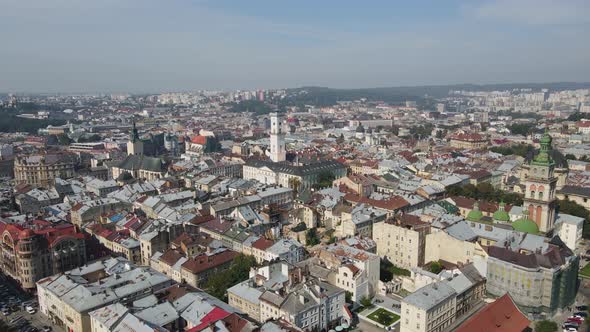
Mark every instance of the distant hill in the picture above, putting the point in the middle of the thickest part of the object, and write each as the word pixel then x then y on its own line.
pixel 323 96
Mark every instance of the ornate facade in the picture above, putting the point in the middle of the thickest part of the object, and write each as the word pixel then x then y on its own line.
pixel 31 254
pixel 41 170
pixel 541 184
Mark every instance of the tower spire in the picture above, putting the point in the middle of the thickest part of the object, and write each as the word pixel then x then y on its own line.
pixel 544 156
pixel 134 133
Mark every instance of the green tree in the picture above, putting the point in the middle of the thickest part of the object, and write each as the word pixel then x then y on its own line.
pixel 577 116
pixel 348 297
pixel 435 267
pixel 325 179
pixel 545 326
pixel 366 302
pixel 311 237
pixel 238 271
pixel 63 139
pixel 212 145
pixel 521 128
pixel 484 191
pixel 295 184
pixel 516 149
pixel 300 227
pixel 89 138
pixel 10 122
pixel 388 270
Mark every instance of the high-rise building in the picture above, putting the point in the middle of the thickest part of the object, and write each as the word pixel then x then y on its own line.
pixel 541 183
pixel 277 139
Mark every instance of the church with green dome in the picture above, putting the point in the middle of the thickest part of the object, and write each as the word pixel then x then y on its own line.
pixel 501 215
pixel 525 225
pixel 475 215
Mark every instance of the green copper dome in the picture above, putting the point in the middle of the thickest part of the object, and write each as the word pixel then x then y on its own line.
pixel 544 156
pixel 501 214
pixel 525 225
pixel 475 214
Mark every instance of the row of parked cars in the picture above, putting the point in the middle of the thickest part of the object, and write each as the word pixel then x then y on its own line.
pixel 11 305
pixel 573 323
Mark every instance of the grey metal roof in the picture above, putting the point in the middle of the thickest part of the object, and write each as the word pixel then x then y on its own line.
pixel 244 291
pixel 313 168
pixel 140 162
pixel 431 295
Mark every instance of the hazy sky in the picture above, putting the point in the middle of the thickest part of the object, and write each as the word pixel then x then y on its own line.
pixel 167 45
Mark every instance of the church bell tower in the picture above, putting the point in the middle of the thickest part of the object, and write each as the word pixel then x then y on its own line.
pixel 541 184
pixel 134 145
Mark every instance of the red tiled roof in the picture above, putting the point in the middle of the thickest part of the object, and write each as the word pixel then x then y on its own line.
pixel 171 256
pixel 199 139
pixel 213 316
pixel 202 219
pixel 499 316
pixel 352 268
pixel 77 206
pixel 262 244
pixel 484 206
pixel 205 262
pixel 53 234
pixel 393 203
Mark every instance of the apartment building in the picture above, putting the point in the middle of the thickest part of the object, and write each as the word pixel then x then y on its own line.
pixel 32 251
pixel 68 298
pixel 88 211
pixel 431 308
pixel 281 292
pixel 192 270
pixel 402 240
pixel 41 170
pixel 542 279
pixel 351 269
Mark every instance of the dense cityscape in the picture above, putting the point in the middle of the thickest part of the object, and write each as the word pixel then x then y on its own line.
pixel 297 210
pixel 294 166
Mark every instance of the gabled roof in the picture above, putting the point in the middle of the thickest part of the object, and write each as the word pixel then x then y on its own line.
pixel 501 315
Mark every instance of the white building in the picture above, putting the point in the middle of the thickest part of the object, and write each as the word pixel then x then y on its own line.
pixel 570 229
pixel 277 139
pixel 429 309
pixel 68 298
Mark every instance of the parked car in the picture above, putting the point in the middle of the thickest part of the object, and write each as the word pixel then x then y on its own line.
pixel 574 319
pixel 582 307
pixel 30 309
pixel 46 328
pixel 570 326
pixel 570 329
pixel 581 314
